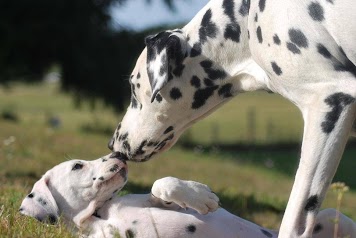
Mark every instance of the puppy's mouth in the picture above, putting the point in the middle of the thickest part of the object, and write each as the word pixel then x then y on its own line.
pixel 120 156
pixel 115 174
pixel 120 170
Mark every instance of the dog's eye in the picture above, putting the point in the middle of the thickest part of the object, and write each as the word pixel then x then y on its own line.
pixel 77 166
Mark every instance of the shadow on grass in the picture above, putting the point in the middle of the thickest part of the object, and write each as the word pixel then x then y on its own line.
pixel 282 158
pixel 240 205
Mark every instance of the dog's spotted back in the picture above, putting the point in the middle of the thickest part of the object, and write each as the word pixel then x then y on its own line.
pixel 305 51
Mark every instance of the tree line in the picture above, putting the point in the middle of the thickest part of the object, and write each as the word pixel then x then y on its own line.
pixel 94 58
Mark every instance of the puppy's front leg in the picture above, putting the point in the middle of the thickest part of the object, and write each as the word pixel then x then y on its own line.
pixel 185 194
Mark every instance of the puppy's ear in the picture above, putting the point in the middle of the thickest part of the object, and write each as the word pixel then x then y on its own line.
pixel 84 215
pixel 165 54
pixel 40 203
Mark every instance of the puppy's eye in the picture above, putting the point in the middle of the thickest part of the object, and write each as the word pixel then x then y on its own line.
pixel 77 166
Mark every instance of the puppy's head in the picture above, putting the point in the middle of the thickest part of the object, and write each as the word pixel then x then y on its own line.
pixel 75 189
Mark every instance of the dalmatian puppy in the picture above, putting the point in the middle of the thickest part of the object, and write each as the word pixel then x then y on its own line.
pixel 303 50
pixel 84 194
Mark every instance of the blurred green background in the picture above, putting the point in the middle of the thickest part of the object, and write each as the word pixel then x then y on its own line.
pixel 63 90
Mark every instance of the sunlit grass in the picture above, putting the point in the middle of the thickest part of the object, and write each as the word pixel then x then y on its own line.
pixel 14 225
pixel 252 184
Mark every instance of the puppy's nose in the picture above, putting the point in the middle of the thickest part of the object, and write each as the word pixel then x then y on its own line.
pixel 120 156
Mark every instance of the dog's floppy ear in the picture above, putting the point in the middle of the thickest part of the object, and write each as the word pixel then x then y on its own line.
pixel 40 203
pixel 85 214
pixel 165 54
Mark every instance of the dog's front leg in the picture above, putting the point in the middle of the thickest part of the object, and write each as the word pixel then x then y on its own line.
pixel 326 129
pixel 185 194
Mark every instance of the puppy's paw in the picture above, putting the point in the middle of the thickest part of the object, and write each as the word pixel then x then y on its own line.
pixel 190 194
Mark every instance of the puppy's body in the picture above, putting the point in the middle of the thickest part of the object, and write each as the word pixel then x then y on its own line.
pixel 84 193
pixel 143 217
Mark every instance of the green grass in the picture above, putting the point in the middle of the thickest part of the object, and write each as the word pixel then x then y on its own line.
pixel 251 184
pixel 251 117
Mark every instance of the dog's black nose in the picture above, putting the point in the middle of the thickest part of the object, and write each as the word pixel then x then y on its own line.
pixel 119 155
pixel 111 144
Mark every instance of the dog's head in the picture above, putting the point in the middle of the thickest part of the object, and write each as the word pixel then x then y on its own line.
pixel 172 85
pixel 75 189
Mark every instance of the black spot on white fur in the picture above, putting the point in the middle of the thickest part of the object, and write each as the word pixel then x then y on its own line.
pixel 212 73
pixel 232 32
pixel 201 96
pixel 298 38
pixel 293 48
pixel 316 11
pixel 139 150
pixel 276 39
pixel 208 82
pixel 259 34
pixel 195 81
pixel 207 27
pixel 232 29
pixel 229 6
pixel 312 204
pixel 262 5
pixel 123 136
pixel 158 97
pixel 324 51
pixel 195 50
pixel 114 168
pixel 175 93
pixel 42 201
pixel 178 70
pixel 191 228
pixel 337 103
pixel 126 146
pixel 245 7
pixel 347 65
pixel 276 68
pixel 225 91
pixel 134 102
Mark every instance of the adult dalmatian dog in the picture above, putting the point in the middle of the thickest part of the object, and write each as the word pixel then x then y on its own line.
pixel 304 50
pixel 84 194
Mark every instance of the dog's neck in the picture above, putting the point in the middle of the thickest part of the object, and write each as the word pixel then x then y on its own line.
pixel 225 41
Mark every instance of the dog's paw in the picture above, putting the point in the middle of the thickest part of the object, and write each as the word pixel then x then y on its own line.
pixel 190 194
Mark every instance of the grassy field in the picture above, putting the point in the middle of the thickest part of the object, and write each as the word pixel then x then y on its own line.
pixel 254 184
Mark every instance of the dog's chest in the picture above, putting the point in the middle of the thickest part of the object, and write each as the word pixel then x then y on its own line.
pixel 287 39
